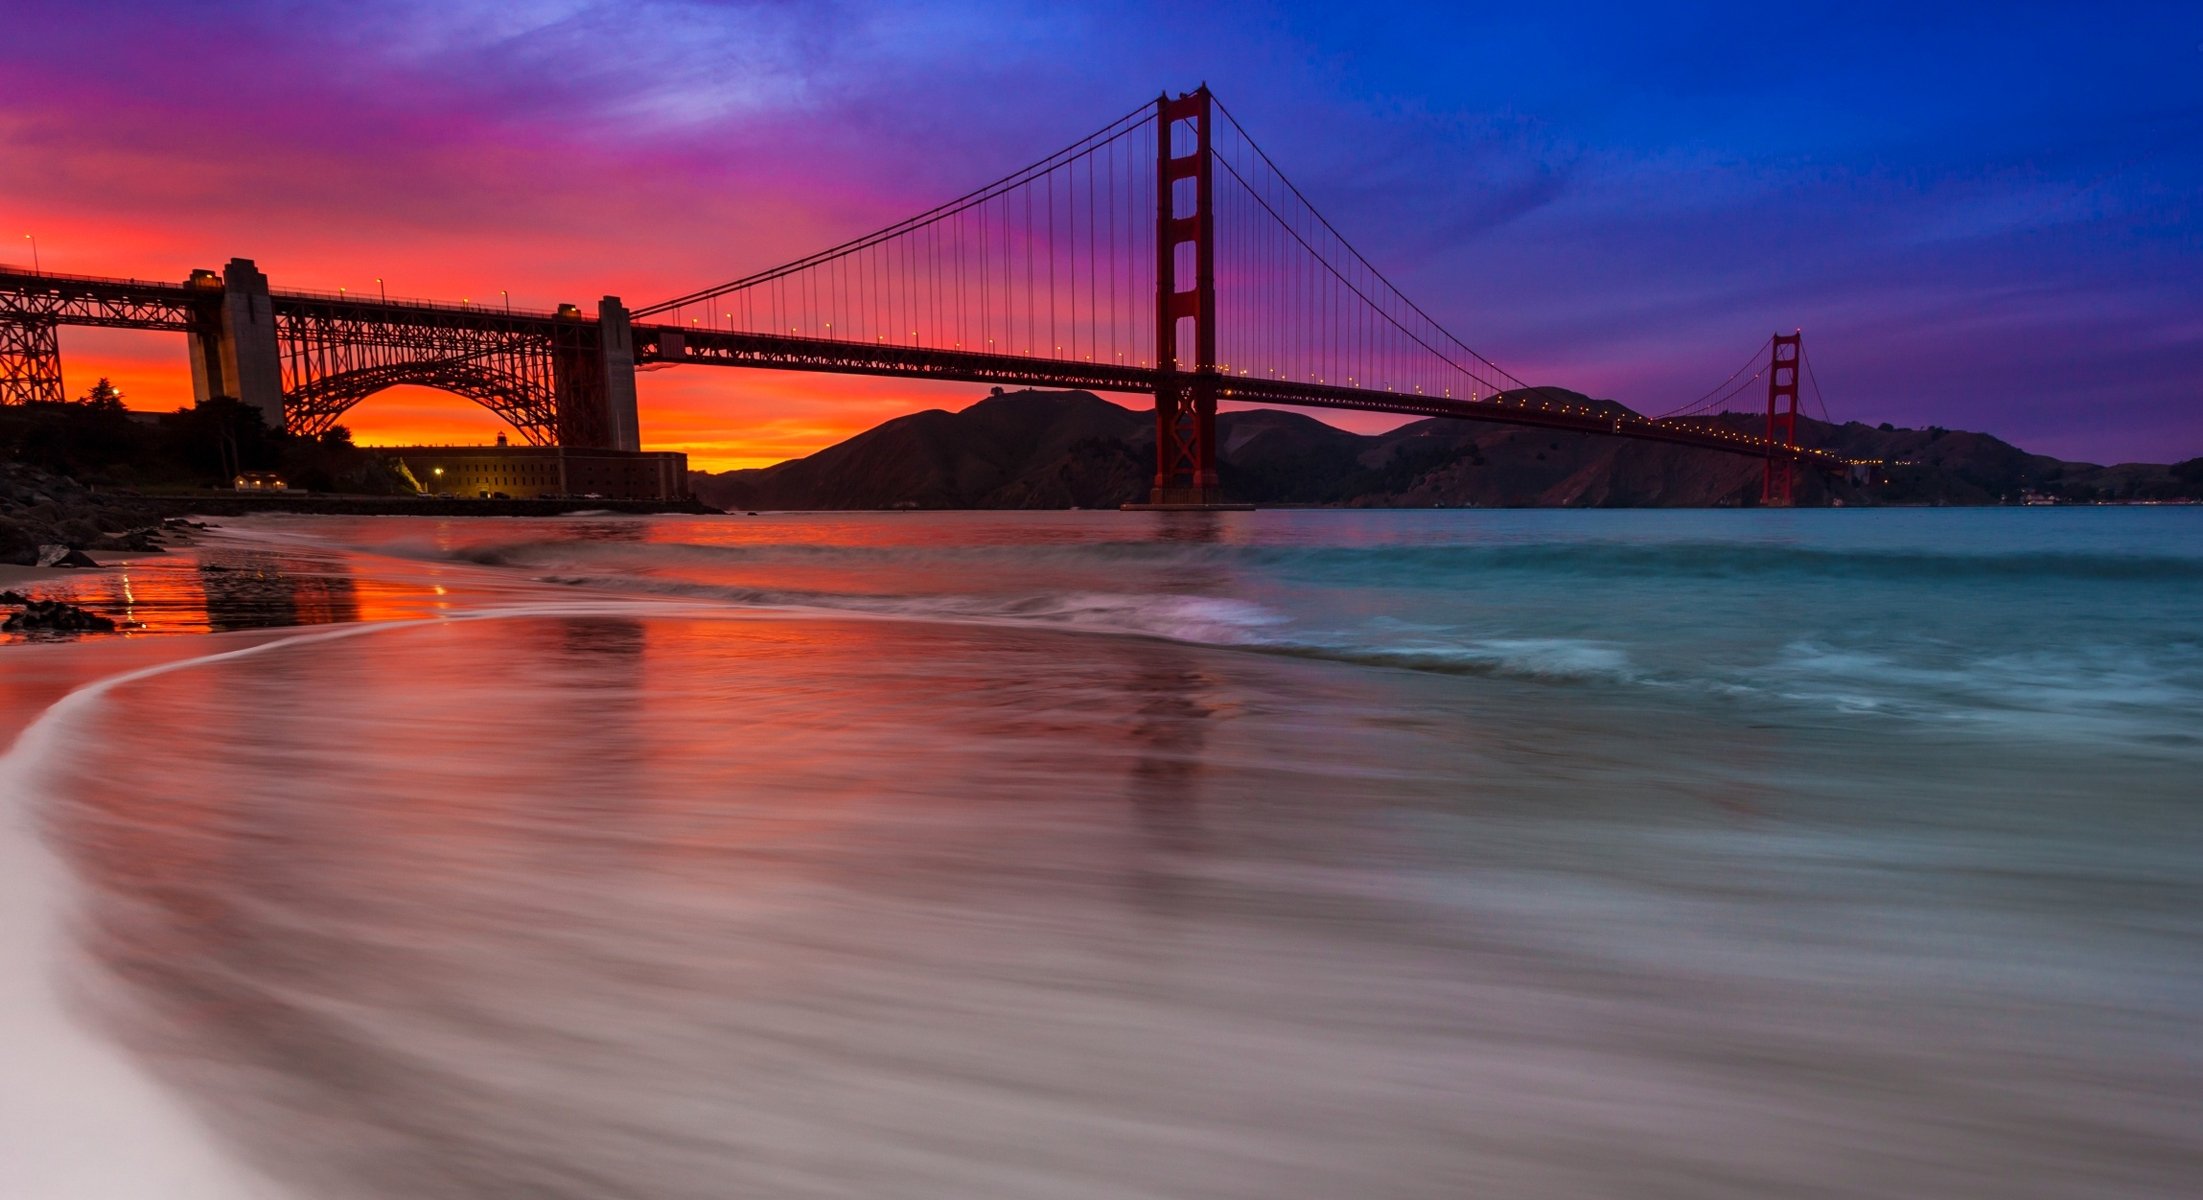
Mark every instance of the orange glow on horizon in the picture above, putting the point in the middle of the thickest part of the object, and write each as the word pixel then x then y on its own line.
pixel 723 419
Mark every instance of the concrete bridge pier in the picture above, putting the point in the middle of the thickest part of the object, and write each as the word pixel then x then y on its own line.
pixel 593 377
pixel 616 356
pixel 233 352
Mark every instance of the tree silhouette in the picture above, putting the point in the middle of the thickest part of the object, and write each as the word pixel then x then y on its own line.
pixel 103 394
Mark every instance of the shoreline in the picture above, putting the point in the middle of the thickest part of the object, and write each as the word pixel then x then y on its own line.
pixel 14 576
pixel 216 504
pixel 170 1150
pixel 1010 712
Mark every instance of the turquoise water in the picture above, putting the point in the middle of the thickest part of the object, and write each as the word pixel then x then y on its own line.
pixel 1539 854
pixel 2069 623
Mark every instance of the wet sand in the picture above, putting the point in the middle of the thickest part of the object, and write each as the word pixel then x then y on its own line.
pixel 1015 856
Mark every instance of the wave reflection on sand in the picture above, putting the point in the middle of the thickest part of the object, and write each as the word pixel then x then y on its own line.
pixel 878 886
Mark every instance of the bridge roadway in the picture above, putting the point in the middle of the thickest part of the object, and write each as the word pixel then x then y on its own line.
pixel 1534 407
pixel 304 358
pixel 115 303
pixel 336 348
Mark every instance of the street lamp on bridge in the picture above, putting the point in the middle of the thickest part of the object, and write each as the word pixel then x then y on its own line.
pixel 34 254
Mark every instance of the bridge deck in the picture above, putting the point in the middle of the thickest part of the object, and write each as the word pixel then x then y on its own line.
pixel 92 300
pixel 669 344
pixel 373 321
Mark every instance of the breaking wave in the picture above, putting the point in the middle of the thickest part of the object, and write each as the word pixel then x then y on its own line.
pixel 1859 621
pixel 1386 565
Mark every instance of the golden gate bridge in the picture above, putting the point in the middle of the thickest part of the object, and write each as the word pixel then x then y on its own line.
pixel 1164 254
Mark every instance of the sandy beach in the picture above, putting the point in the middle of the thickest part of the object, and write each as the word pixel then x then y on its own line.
pixel 1099 854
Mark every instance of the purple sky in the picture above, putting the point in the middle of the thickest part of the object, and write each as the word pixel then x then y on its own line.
pixel 1982 217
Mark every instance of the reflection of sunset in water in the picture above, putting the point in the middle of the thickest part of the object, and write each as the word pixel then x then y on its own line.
pixel 995 854
pixel 195 592
pixel 219 585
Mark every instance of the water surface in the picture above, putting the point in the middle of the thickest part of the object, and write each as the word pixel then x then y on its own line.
pixel 1321 854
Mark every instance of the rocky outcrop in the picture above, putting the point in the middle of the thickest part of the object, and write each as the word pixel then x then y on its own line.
pixel 54 616
pixel 40 512
pixel 57 555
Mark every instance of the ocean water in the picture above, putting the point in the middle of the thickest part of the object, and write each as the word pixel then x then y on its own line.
pixel 1280 854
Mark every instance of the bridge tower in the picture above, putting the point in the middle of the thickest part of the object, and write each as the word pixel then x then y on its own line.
pixel 615 364
pixel 1185 240
pixel 1779 484
pixel 593 377
pixel 30 362
pixel 234 350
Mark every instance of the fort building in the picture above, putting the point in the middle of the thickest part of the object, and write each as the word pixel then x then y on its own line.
pixel 529 472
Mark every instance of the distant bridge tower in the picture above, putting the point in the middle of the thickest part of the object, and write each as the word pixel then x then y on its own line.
pixel 1185 217
pixel 1779 484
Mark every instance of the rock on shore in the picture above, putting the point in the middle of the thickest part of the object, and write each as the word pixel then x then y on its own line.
pixel 51 520
pixel 58 617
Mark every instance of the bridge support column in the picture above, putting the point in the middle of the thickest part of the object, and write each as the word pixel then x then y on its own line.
pixel 235 353
pixel 1778 486
pixel 30 363
pixel 1185 442
pixel 1185 226
pixel 207 377
pixel 616 359
pixel 593 378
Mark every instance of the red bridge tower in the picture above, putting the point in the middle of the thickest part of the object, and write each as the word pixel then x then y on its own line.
pixel 1185 239
pixel 1779 485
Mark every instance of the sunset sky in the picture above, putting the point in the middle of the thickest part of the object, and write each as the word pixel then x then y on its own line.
pixel 1983 217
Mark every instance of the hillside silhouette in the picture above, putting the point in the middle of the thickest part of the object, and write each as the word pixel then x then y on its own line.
pixel 1033 449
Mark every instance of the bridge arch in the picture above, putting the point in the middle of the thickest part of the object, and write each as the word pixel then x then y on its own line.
pixel 529 404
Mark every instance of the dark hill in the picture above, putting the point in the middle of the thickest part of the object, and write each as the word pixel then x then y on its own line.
pixel 1074 449
pixel 1022 450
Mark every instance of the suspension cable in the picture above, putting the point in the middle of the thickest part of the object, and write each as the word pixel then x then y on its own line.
pixel 1349 246
pixel 1749 364
pixel 1818 402
pixel 1086 145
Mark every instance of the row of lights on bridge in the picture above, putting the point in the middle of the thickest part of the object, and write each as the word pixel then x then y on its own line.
pixel 1543 405
pixel 382 292
pixel 1572 409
